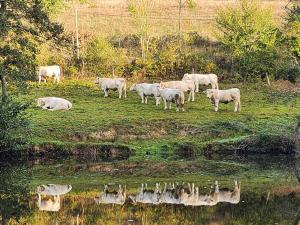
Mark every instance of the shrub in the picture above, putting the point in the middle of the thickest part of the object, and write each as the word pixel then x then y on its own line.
pixel 102 57
pixel 249 35
pixel 14 126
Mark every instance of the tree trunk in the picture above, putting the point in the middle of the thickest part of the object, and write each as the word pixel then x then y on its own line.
pixel 3 85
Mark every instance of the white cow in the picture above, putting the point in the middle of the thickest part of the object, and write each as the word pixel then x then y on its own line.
pixel 170 95
pixel 53 189
pixel 107 84
pixel 49 204
pixel 144 90
pixel 53 103
pixel 202 79
pixel 171 195
pixel 185 86
pixel 224 96
pixel 147 196
pixel 113 197
pixel 224 195
pixel 49 71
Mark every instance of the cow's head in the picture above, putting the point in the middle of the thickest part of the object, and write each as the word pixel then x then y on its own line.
pixel 186 76
pixel 97 81
pixel 40 189
pixel 162 85
pixel 133 87
pixel 40 102
pixel 209 93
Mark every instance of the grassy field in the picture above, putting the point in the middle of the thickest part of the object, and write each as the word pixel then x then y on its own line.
pixel 104 17
pixel 151 130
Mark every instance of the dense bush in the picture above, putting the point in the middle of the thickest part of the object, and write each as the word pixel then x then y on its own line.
pixel 250 36
pixel 101 58
pixel 14 126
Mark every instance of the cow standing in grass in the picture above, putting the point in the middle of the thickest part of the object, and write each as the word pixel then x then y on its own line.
pixel 184 86
pixel 145 90
pixel 202 79
pixel 49 72
pixel 170 95
pixel 224 96
pixel 107 84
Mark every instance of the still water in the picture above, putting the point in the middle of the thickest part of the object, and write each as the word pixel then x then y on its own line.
pixel 240 191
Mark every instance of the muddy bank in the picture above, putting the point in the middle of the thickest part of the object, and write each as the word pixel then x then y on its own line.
pixel 85 150
pixel 261 144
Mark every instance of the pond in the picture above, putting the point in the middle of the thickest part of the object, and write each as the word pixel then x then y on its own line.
pixel 267 191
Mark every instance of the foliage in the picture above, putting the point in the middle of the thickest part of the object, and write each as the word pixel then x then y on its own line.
pixel 14 193
pixel 101 57
pixel 14 125
pixel 249 34
pixel 23 24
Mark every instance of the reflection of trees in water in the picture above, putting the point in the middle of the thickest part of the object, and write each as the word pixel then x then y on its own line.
pixel 14 192
pixel 254 210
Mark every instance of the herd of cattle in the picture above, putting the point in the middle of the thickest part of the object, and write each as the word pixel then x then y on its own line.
pixel 169 92
pixel 180 194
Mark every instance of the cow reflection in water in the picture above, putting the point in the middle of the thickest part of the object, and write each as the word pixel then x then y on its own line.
pixel 112 197
pixel 53 191
pixel 51 205
pixel 193 198
pixel 174 194
pixel 147 195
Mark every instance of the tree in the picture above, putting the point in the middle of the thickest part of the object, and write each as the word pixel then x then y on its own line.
pixel 249 34
pixel 140 11
pixel 292 28
pixel 23 24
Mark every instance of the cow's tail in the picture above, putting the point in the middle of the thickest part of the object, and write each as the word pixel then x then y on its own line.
pixel 69 107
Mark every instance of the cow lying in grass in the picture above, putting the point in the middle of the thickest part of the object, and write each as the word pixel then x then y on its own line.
pixel 184 86
pixel 48 72
pixel 107 84
pixel 202 79
pixel 145 90
pixel 54 103
pixel 224 96
pixel 112 197
pixel 170 95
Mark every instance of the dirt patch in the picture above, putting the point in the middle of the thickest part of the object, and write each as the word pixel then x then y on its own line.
pixel 286 86
pixel 91 151
pixel 138 131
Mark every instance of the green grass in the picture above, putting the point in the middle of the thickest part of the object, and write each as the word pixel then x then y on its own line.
pixel 146 128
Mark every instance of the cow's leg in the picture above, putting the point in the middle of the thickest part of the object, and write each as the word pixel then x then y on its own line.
pixel 54 79
pixel 190 95
pixel 146 100
pixel 120 92
pixel 236 105
pixel 170 105
pixel 166 104
pixel 125 92
pixel 40 79
pixel 216 105
pixel 157 100
pixel 105 92
pixel 177 107
pixel 193 96
pixel 57 79
pixel 197 87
